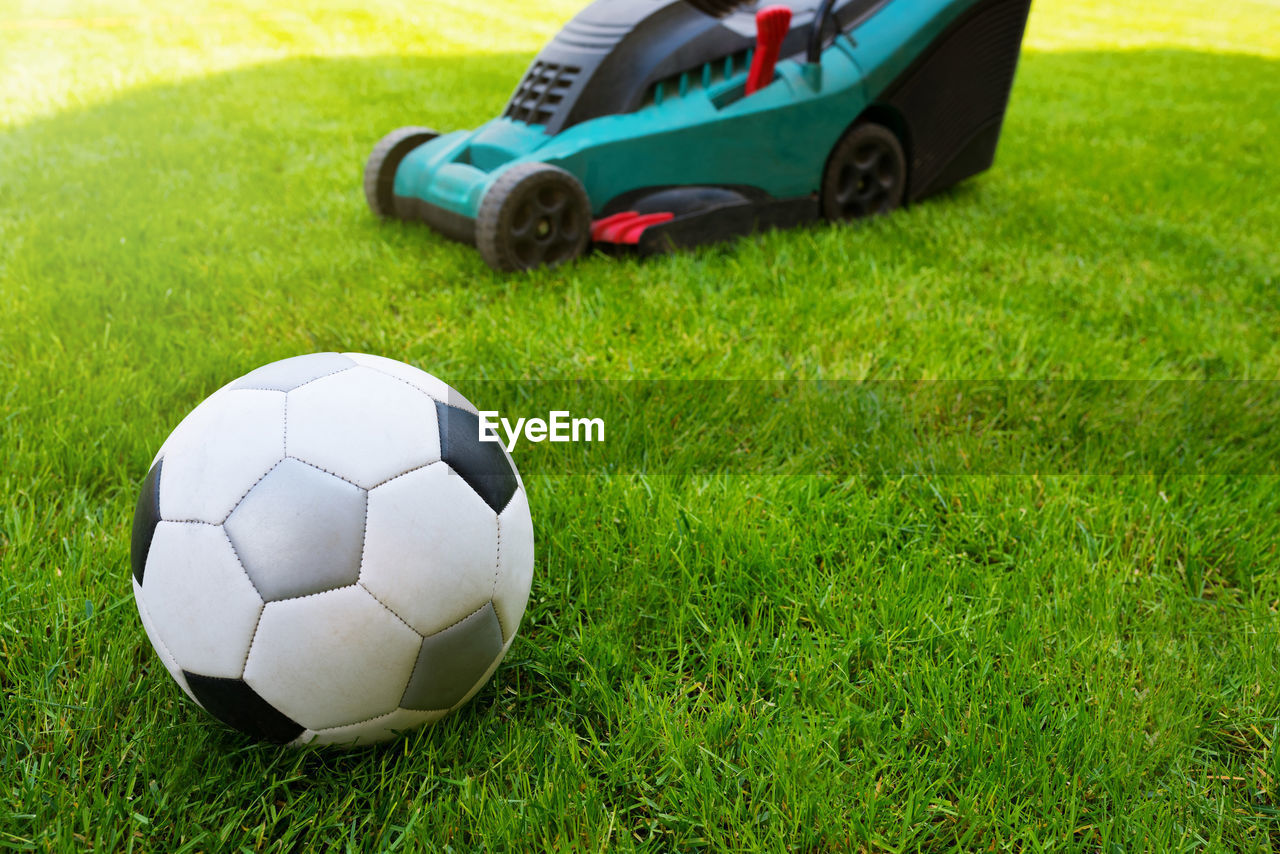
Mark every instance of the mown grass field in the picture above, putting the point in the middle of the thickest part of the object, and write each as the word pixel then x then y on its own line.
pixel 1033 661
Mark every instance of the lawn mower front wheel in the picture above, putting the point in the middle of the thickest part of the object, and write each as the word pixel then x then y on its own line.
pixel 534 215
pixel 380 169
pixel 866 174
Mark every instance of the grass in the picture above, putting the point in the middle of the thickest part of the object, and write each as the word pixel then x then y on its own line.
pixel 1048 659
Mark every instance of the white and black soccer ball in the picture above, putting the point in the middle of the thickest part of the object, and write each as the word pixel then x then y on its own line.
pixel 324 552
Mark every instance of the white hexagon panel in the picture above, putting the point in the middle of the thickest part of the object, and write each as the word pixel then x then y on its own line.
pixel 432 551
pixel 199 599
pixel 362 425
pixel 356 561
pixel 218 452
pixel 334 659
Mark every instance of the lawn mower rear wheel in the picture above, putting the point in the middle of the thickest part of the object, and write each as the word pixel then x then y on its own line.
pixel 866 174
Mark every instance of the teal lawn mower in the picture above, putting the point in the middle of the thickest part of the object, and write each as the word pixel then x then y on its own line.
pixel 654 124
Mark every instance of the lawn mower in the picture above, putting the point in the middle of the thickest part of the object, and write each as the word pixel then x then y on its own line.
pixel 654 124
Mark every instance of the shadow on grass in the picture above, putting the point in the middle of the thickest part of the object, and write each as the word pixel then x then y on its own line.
pixel 264 163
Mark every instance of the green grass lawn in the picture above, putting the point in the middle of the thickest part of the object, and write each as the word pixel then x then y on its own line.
pixel 1039 659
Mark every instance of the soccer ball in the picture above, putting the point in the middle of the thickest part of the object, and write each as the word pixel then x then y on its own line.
pixel 324 552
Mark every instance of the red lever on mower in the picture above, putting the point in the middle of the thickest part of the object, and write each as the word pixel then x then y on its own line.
pixel 772 23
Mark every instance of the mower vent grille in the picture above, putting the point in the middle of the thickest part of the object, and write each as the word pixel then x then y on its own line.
pixel 704 76
pixel 540 92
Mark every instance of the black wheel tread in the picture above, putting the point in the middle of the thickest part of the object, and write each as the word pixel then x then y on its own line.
pixel 380 168
pixel 865 175
pixel 494 226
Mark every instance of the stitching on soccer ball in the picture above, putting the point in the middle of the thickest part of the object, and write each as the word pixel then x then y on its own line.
pixel 353 364
pixel 245 571
pixel 390 610
pixel 407 471
pixel 323 469
pixel 487 604
pixel 316 593
pixel 497 569
pixel 379 717
pixel 245 494
pixel 252 637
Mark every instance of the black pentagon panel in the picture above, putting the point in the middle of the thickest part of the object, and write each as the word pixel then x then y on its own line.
pixel 146 515
pixel 452 661
pixel 483 465
pixel 237 705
